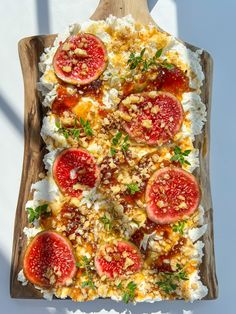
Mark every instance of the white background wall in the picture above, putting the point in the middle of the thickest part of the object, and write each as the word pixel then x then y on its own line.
pixel 208 24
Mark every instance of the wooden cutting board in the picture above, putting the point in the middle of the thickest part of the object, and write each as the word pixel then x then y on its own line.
pixel 30 49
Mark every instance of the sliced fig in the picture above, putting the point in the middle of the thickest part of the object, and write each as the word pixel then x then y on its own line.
pixel 75 170
pixel 80 60
pixel 118 259
pixel 152 118
pixel 172 194
pixel 49 260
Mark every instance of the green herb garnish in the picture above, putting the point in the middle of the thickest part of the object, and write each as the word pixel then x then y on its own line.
pixel 113 151
pixel 35 213
pixel 116 140
pixel 167 65
pixel 170 280
pixel 85 263
pixel 88 283
pixel 66 132
pixel 179 227
pixel 119 286
pixel 129 292
pixel 87 128
pixel 133 188
pixel 125 145
pixel 106 221
pixel 135 60
pixel 180 156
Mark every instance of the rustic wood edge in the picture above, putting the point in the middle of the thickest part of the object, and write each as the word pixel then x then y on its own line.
pixel 34 146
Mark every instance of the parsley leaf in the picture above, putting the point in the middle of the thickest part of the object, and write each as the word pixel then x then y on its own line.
pixel 167 65
pixel 113 151
pixel 135 60
pixel 129 292
pixel 73 132
pixel 119 286
pixel 133 188
pixel 88 283
pixel 125 145
pixel 87 128
pixel 158 53
pixel 116 140
pixel 85 263
pixel 35 213
pixel 106 221
pixel 170 280
pixel 179 227
pixel 180 156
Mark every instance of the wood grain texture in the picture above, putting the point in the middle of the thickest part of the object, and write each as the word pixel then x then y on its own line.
pixel 30 50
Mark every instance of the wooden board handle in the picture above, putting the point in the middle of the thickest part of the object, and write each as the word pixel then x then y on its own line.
pixel 137 8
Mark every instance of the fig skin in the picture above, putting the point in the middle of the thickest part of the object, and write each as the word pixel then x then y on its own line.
pixel 168 218
pixel 99 267
pixel 43 283
pixel 158 141
pixel 64 151
pixel 59 72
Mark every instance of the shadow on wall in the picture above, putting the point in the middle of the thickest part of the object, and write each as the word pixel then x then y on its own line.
pixel 11 115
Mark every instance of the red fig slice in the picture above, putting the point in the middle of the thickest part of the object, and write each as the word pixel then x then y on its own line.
pixel 172 194
pixel 117 259
pixel 152 118
pixel 49 260
pixel 80 60
pixel 75 170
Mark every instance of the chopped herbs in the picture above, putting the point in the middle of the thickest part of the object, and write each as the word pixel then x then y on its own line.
pixel 136 60
pixel 170 280
pixel 66 132
pixel 88 284
pixel 87 128
pixel 106 221
pixel 119 286
pixel 179 227
pixel 158 53
pixel 37 212
pixel 180 156
pixel 167 65
pixel 129 292
pixel 113 151
pixel 116 140
pixel 85 263
pixel 132 188
pixel 125 145
pixel 75 131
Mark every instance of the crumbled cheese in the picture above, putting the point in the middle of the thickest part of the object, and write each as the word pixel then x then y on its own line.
pixel 197 233
pixel 31 232
pixel 45 190
pixel 21 278
pixel 111 98
pixel 49 134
